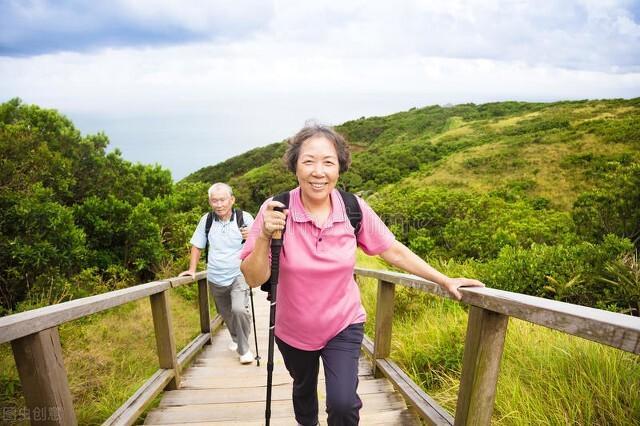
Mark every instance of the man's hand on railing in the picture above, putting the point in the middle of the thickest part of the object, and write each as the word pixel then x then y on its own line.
pixel 453 284
pixel 192 274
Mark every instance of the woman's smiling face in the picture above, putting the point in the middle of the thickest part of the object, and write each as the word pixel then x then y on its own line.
pixel 318 168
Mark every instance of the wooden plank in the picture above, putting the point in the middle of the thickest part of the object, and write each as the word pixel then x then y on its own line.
pixel 165 342
pixel 129 412
pixel 229 366
pixel 427 407
pixel 233 395
pixel 609 328
pixel 192 349
pixel 30 322
pixel 483 348
pixel 384 322
pixel 44 379
pixel 390 417
pixel 216 323
pixel 249 411
pixel 190 382
pixel 180 281
pixel 367 346
pixel 252 380
pixel 217 383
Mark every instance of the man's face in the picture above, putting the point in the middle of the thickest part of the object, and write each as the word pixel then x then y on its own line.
pixel 221 203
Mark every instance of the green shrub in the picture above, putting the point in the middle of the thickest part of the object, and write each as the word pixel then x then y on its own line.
pixel 571 270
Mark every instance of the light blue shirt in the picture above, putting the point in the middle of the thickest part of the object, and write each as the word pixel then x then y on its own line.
pixel 225 244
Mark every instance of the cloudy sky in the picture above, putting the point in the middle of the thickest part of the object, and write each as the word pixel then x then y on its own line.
pixel 190 83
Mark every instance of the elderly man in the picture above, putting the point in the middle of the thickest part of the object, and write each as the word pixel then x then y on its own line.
pixel 226 283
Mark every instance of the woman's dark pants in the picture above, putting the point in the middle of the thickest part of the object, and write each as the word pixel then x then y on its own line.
pixel 340 360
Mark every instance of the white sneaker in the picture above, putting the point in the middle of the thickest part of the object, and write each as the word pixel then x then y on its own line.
pixel 233 346
pixel 246 358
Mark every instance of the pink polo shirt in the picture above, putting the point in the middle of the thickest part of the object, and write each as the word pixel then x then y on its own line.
pixel 317 295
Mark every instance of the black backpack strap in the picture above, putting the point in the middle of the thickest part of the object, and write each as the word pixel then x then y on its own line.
pixel 207 228
pixel 239 217
pixel 239 220
pixel 353 210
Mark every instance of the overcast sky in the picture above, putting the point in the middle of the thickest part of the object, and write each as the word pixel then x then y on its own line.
pixel 190 83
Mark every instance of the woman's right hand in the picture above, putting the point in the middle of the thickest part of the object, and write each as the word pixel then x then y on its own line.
pixel 273 220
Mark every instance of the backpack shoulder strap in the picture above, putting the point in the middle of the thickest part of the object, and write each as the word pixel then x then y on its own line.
pixel 239 217
pixel 207 228
pixel 239 220
pixel 353 210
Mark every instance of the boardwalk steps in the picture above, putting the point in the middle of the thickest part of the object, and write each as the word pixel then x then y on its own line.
pixel 217 390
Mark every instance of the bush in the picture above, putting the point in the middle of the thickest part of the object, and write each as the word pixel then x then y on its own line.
pixel 569 272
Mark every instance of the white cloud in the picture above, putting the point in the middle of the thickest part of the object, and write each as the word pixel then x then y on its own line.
pixel 278 63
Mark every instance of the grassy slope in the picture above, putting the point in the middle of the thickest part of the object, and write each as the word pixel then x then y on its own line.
pixel 108 356
pixel 546 377
pixel 547 161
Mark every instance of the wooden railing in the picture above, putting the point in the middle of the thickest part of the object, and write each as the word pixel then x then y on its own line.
pixel 38 355
pixel 489 313
pixel 36 345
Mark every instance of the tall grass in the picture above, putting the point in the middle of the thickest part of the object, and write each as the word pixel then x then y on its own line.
pixel 108 356
pixel 546 378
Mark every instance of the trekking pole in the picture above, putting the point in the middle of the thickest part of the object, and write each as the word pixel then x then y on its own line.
pixel 276 246
pixel 255 335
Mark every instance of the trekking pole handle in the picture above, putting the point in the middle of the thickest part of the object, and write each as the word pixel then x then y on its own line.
pixel 277 235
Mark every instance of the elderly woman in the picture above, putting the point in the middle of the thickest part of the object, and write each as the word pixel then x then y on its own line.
pixel 319 310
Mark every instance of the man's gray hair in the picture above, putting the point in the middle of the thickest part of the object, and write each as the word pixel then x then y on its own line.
pixel 220 185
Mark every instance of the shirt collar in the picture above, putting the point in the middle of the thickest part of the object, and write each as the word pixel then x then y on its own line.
pixel 231 218
pixel 299 214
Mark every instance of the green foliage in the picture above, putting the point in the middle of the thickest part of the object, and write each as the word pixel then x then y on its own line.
pixel 625 129
pixel 253 188
pixel 535 125
pixel 459 224
pixel 236 166
pixel 623 276
pixel 39 242
pixel 564 272
pixel 484 182
pixel 613 207
pixel 75 218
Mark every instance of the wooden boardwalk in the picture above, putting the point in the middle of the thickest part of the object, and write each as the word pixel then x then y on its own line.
pixel 217 390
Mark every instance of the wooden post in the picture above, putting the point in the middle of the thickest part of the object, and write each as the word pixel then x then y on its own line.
pixel 164 336
pixel 44 379
pixel 203 302
pixel 483 348
pixel 384 322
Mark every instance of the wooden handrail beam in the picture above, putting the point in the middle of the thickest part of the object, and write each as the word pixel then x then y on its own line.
pixel 609 328
pixel 29 322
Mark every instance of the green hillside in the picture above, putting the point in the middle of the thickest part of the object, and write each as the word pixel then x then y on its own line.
pixel 540 198
pixel 536 198
pixel 544 150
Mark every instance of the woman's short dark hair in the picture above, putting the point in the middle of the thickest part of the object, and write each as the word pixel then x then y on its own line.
pixel 313 129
